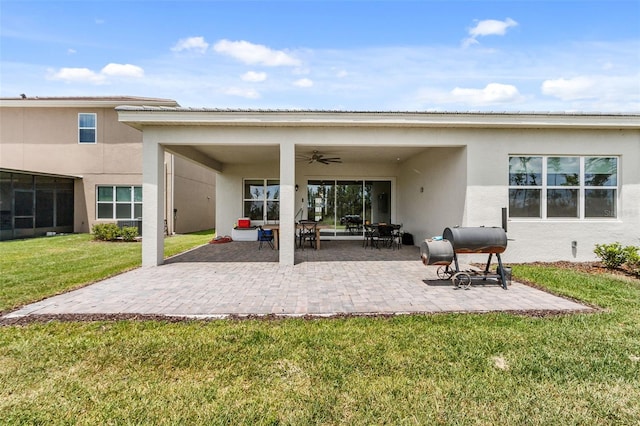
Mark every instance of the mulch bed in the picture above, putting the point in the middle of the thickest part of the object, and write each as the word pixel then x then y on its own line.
pixel 31 319
pixel 591 268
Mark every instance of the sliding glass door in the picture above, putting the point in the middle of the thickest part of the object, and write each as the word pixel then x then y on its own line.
pixel 343 206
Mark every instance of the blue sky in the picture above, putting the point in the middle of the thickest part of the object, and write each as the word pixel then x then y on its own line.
pixel 578 55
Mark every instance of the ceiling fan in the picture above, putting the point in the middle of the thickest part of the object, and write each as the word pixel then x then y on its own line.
pixel 316 157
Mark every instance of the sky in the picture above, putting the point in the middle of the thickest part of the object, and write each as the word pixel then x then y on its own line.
pixel 455 55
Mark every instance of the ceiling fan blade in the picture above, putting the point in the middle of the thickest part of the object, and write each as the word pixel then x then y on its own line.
pixel 316 157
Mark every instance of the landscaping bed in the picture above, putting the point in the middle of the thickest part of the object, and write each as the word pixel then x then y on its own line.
pixel 592 268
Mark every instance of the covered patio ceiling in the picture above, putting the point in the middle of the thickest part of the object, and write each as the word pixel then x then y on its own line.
pixel 249 154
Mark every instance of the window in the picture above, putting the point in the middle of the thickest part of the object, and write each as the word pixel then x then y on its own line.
pixel 119 202
pixel 87 125
pixel 563 187
pixel 261 199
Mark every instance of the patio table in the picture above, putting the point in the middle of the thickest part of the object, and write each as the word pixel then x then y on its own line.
pixel 276 234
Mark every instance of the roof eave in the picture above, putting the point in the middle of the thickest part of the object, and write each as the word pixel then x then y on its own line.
pixel 86 102
pixel 140 117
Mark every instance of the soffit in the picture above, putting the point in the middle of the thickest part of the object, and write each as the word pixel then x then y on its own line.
pixel 251 154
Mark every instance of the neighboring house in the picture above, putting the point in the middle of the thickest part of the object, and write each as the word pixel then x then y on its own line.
pixel 562 181
pixel 68 163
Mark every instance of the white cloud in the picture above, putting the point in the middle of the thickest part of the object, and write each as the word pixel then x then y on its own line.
pixel 571 89
pixel 122 70
pixel 493 93
pixel 194 44
pixel 250 53
pixel 76 75
pixel 303 82
pixel 492 27
pixel 254 76
pixel 243 93
pixel 71 51
pixel 488 27
pixel 85 75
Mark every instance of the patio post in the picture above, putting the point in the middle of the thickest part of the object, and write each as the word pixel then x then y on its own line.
pixel 152 202
pixel 287 202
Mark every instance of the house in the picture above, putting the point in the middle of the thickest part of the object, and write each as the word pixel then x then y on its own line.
pixel 559 182
pixel 68 163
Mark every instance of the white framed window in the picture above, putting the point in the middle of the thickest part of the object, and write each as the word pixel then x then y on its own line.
pixel 261 200
pixel 118 202
pixel 87 127
pixel 563 187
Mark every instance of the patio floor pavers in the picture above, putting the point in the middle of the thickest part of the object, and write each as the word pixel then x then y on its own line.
pixel 192 285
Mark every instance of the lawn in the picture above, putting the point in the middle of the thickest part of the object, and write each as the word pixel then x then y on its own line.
pixel 581 369
pixel 34 268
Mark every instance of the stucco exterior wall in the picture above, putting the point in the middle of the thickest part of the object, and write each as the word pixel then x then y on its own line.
pixel 229 190
pixel 463 174
pixel 551 239
pixel 45 140
pixel 194 194
pixel 457 172
pixel 432 191
pixel 85 202
pixel 229 185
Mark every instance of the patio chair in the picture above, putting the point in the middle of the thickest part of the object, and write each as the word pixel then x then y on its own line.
pixel 307 233
pixel 397 235
pixel 370 232
pixel 385 236
pixel 265 236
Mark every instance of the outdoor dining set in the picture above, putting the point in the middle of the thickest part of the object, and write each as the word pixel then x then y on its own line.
pixel 382 235
pixel 378 235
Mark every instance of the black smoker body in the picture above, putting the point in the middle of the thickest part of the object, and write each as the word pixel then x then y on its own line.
pixel 467 240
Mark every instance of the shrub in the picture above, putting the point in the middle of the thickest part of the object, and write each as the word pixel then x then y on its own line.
pixel 633 261
pixel 129 233
pixel 106 231
pixel 612 255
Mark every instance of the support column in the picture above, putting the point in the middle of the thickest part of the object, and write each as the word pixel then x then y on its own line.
pixel 287 202
pixel 152 202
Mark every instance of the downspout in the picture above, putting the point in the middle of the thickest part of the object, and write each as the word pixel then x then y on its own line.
pixel 166 190
pixel 172 211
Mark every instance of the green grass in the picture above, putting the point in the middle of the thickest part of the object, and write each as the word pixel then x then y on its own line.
pixel 581 369
pixel 34 268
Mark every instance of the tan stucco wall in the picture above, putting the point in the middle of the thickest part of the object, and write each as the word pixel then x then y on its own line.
pixel 45 140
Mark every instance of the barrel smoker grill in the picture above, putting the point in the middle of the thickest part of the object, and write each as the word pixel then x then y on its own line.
pixel 466 240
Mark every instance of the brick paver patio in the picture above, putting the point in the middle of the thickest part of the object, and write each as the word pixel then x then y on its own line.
pixel 343 278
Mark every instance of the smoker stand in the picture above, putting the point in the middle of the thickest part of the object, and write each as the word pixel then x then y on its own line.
pixel 463 279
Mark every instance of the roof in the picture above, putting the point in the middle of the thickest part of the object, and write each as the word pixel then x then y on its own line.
pixel 144 115
pixel 398 112
pixel 84 101
pixel 29 172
